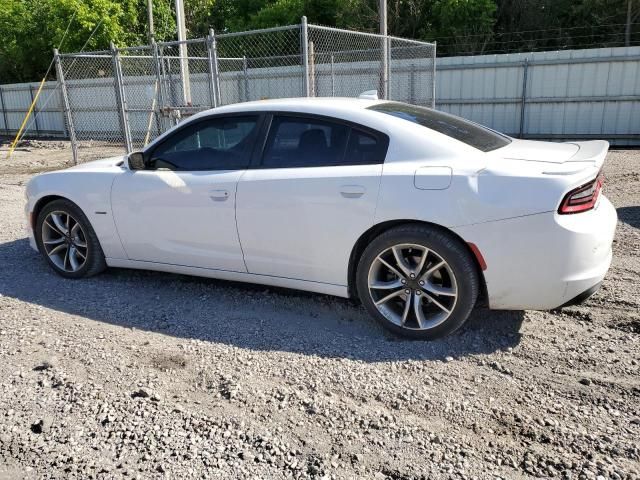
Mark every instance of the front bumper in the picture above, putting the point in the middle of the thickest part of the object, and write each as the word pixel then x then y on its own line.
pixel 543 261
pixel 29 225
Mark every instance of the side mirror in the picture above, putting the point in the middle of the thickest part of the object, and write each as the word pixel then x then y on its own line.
pixel 136 161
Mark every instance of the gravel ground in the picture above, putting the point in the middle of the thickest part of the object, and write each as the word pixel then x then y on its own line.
pixel 148 375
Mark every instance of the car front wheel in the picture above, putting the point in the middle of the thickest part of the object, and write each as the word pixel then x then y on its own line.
pixel 67 240
pixel 418 281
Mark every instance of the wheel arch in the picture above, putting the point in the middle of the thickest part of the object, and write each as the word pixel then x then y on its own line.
pixel 43 202
pixel 382 227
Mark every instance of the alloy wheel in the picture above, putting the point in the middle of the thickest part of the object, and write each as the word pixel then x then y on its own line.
pixel 412 286
pixel 64 241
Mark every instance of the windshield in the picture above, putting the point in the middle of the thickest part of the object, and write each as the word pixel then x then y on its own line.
pixel 463 130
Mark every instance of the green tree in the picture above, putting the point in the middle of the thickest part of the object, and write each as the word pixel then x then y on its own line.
pixel 31 29
pixel 238 15
pixel 164 19
pixel 465 25
pixel 199 17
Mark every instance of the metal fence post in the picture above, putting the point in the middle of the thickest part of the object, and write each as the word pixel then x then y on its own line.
pixel 35 111
pixel 433 81
pixel 212 58
pixel 304 40
pixel 158 72
pixel 384 68
pixel 245 72
pixel 523 101
pixel 412 83
pixel 66 106
pixel 167 78
pixel 120 98
pixel 388 72
pixel 4 112
pixel 333 78
pixel 312 69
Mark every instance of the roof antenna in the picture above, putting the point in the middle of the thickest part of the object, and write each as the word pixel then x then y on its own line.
pixel 369 95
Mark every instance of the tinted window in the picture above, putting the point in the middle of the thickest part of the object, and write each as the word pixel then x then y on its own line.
pixel 306 142
pixel 364 148
pixel 214 144
pixel 463 130
pixel 298 142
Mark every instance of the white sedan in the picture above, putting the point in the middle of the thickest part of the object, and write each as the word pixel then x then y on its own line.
pixel 414 211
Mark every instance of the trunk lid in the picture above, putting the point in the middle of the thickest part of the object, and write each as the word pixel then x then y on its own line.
pixel 593 151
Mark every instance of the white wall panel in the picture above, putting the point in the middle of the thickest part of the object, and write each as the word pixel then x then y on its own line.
pixel 589 93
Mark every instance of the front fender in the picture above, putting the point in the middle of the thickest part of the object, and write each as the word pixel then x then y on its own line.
pixel 90 191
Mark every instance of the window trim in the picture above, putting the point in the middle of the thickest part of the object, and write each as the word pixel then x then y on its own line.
pixel 258 154
pixel 260 118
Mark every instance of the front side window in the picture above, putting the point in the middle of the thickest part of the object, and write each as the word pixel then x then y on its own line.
pixel 472 134
pixel 212 144
pixel 309 142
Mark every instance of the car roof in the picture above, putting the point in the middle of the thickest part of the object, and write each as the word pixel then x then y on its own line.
pixel 355 110
pixel 300 104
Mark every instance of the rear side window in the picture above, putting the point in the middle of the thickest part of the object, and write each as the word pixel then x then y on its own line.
pixel 471 133
pixel 310 142
pixel 363 148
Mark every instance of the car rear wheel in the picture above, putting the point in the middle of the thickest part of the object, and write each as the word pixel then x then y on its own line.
pixel 67 240
pixel 418 281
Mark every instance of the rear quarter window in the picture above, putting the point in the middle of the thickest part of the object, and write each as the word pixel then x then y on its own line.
pixel 471 133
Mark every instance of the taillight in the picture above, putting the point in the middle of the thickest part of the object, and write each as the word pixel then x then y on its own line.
pixel 582 198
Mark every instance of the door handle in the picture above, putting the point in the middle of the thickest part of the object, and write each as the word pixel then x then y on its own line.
pixel 352 191
pixel 218 195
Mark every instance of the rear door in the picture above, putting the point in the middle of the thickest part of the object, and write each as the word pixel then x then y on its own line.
pixel 310 196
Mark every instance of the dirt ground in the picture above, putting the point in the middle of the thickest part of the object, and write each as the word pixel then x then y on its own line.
pixel 137 374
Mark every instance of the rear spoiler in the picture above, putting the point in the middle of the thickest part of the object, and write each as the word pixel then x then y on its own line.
pixel 592 151
pixel 585 164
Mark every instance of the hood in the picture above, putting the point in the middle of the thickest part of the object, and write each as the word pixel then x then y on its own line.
pixel 99 164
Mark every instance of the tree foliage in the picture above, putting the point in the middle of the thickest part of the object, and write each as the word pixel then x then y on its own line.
pixel 30 29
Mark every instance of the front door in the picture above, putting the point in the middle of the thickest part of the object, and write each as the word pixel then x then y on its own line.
pixel 314 192
pixel 180 210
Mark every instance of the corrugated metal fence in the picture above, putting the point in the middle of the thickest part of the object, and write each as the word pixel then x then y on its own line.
pixel 48 117
pixel 568 94
pixel 571 94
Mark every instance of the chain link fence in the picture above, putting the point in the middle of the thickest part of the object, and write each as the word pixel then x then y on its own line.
pixel 117 101
pixel 260 64
pixel 89 101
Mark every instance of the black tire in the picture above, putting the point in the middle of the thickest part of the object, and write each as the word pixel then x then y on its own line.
pixel 94 262
pixel 450 249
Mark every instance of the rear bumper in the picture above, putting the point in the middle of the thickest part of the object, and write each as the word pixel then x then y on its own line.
pixel 543 261
pixel 578 299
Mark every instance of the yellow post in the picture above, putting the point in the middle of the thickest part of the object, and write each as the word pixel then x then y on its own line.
pixel 24 122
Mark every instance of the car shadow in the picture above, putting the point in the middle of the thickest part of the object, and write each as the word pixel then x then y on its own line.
pixel 243 315
pixel 630 215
